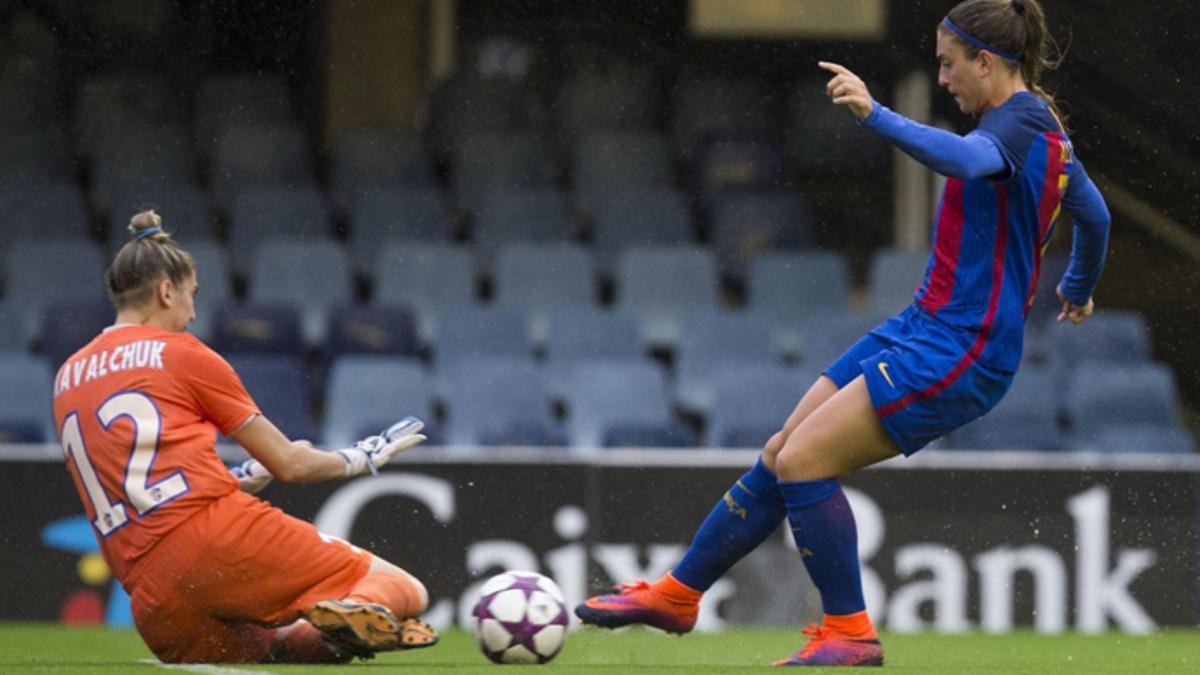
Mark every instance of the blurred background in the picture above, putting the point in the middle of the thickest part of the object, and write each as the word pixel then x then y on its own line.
pixel 581 224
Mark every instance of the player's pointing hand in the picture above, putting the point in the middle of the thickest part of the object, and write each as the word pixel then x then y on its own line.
pixel 848 89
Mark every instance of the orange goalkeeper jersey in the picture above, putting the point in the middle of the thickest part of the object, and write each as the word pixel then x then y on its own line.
pixel 137 412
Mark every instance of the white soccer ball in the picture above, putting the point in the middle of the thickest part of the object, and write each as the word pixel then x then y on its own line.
pixel 521 617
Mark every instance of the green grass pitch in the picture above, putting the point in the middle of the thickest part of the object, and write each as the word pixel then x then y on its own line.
pixel 46 648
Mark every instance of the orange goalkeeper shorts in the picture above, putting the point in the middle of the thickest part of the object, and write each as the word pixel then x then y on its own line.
pixel 213 588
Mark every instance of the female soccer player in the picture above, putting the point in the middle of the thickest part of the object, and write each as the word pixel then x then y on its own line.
pixel 215 574
pixel 941 363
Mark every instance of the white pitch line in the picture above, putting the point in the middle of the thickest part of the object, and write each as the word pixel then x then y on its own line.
pixel 204 668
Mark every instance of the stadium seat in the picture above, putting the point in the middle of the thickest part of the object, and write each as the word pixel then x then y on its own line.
pixel 610 161
pixel 652 217
pixel 1026 418
pixel 751 402
pixel 705 108
pixel 68 325
pixel 737 165
pixel 414 214
pixel 828 334
pixel 185 210
pixel 1138 438
pixel 709 342
pixel 662 435
pixel 895 275
pixel 1111 336
pixel 270 213
pixel 371 330
pixel 14 337
pixel 1100 395
pixel 524 433
pixel 745 225
pixel 365 159
pixel 238 99
pixel 313 275
pixel 786 288
pixel 604 393
pixel 41 271
pixel 280 387
pixel 541 278
pixel 469 331
pixel 578 334
pixel 369 391
pixel 258 329
pixel 499 161
pixel 519 215
pixel 26 391
pixel 248 157
pixel 493 396
pixel 663 284
pixel 824 140
pixel 425 277
pixel 44 210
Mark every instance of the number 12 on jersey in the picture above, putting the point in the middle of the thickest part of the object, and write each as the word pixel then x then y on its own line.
pixel 138 491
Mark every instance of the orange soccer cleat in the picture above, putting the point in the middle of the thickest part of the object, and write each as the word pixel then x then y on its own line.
pixel 827 648
pixel 666 604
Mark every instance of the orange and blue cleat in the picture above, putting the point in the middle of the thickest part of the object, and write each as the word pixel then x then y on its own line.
pixel 639 602
pixel 826 648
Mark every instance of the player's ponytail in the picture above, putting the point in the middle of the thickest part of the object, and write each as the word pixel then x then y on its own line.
pixel 148 258
pixel 1014 30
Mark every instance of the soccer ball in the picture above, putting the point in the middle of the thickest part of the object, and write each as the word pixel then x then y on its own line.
pixel 521 617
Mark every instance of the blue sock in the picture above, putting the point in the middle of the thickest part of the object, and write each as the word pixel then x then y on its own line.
pixel 748 513
pixel 823 527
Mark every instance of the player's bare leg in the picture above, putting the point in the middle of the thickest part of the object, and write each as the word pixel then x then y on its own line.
pixel 841 435
pixel 821 390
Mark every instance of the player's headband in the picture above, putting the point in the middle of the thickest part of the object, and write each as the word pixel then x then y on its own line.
pixel 977 42
pixel 147 232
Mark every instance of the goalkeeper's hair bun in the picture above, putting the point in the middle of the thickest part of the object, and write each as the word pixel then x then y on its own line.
pixel 146 259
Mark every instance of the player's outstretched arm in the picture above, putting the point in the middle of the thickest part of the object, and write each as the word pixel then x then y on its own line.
pixel 300 462
pixel 966 157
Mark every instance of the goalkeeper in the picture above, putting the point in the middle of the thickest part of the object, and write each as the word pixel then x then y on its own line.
pixel 215 574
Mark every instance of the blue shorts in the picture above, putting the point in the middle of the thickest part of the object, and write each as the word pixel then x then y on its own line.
pixel 922 376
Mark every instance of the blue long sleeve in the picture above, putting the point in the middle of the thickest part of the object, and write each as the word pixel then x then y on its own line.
pixel 1089 245
pixel 965 157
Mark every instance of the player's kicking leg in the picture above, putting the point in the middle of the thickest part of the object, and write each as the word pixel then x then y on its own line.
pixel 742 519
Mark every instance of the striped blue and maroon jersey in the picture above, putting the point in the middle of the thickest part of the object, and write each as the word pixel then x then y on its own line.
pixel 989 233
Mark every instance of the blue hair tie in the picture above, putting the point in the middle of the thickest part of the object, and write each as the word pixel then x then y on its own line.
pixel 979 43
pixel 147 232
